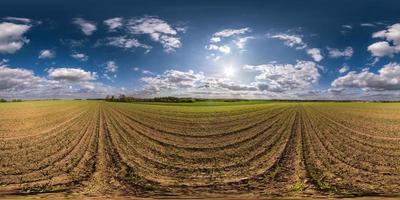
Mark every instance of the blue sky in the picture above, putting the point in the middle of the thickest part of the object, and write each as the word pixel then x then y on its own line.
pixel 215 49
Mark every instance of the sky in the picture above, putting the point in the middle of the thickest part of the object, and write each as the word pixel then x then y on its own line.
pixel 309 49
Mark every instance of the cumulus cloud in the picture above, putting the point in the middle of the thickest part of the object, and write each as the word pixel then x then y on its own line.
pixel 315 54
pixel 12 36
pixel 71 74
pixel 172 79
pixel 60 83
pixel 390 46
pixel 46 54
pixel 87 27
pixel 14 79
pixel 270 80
pixel 336 53
pixel 158 30
pixel 285 77
pixel 80 56
pixel 290 40
pixel 113 23
pixel 387 78
pixel 381 49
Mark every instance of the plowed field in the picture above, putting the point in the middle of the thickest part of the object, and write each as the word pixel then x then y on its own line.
pixel 96 148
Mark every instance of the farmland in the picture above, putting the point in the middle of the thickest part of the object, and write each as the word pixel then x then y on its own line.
pixel 200 149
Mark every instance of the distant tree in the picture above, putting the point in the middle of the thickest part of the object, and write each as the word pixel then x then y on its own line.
pixel 3 100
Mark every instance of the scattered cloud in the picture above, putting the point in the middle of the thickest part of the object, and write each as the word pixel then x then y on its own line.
pixel 87 27
pixel 224 41
pixel 158 30
pixel 346 26
pixel 295 41
pixel 285 77
pixel 71 74
pixel 18 20
pixel 387 78
pixel 336 53
pixel 381 49
pixel 80 56
pixel 12 37
pixel 390 46
pixel 147 72
pixel 113 23
pixel 228 33
pixel 111 66
pixel 242 41
pixel 126 43
pixel 344 69
pixel 367 25
pixel 315 53
pixel 17 79
pixel 224 48
pixel 23 83
pixel 47 54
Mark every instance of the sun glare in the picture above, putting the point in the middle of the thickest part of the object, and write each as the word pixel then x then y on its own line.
pixel 229 71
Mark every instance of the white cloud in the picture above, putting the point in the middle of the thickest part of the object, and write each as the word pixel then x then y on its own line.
pixel 172 80
pixel 23 83
pixel 158 30
pixel 315 54
pixel 80 56
pixel 46 54
pixel 344 69
pixel 346 26
pixel 336 53
pixel 147 72
pixel 126 43
pixel 223 41
pixel 111 67
pixel 17 79
pixel 387 78
pixel 12 37
pixel 87 27
pixel 71 74
pixel 231 32
pixel 113 23
pixel 270 81
pixel 381 49
pixel 215 39
pixel 18 19
pixel 389 47
pixel 242 41
pixel 367 25
pixel 290 40
pixel 224 49
pixel 285 77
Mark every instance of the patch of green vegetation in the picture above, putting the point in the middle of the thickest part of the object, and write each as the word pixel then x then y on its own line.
pixel 298 186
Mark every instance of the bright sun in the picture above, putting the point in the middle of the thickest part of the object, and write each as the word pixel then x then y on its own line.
pixel 229 71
